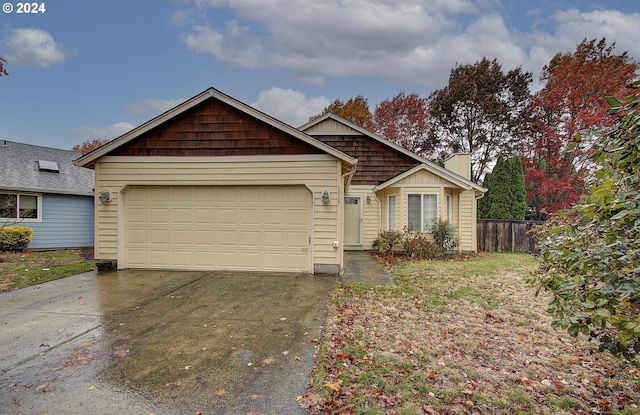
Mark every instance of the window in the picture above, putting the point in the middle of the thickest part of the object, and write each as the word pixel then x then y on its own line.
pixel 449 208
pixel 391 217
pixel 422 211
pixel 15 206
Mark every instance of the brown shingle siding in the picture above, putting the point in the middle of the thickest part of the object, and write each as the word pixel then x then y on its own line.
pixel 377 162
pixel 214 128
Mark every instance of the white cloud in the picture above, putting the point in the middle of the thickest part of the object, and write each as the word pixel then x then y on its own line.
pixel 90 133
pixel 408 41
pixel 33 47
pixel 153 106
pixel 292 107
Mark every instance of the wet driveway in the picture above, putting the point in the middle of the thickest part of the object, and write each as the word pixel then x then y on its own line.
pixel 142 342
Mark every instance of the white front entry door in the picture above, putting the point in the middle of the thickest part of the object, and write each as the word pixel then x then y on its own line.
pixel 353 220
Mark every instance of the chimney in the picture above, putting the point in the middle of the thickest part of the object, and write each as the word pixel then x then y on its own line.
pixel 459 162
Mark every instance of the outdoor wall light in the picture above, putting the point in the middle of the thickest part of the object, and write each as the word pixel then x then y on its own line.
pixel 105 197
pixel 368 199
pixel 325 197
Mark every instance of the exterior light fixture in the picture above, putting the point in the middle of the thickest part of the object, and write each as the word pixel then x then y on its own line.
pixel 368 198
pixel 105 197
pixel 325 197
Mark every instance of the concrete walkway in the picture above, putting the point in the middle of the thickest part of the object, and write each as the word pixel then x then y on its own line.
pixel 361 268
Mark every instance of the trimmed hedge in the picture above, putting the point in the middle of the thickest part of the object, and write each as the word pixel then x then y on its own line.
pixel 15 238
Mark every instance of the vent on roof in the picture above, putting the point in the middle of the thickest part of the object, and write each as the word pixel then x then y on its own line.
pixel 46 165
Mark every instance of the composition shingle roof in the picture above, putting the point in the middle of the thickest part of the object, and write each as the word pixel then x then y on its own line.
pixel 20 170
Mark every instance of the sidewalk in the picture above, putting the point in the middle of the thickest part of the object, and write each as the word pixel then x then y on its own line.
pixel 361 268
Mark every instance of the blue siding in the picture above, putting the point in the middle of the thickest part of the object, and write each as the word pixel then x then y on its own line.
pixel 67 222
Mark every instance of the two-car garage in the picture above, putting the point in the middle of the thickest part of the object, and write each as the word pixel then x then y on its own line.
pixel 265 228
pixel 214 184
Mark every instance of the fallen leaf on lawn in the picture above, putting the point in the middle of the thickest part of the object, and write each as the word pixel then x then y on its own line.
pixel 249 364
pixel 220 392
pixel 283 318
pixel 187 367
pixel 268 361
pixel 297 358
pixel 198 413
pixel 90 388
pixel 333 386
pixel 286 352
pixel 254 396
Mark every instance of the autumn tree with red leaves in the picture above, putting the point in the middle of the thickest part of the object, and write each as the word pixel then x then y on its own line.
pixel 90 145
pixel 404 119
pixel 2 70
pixel 355 110
pixel 571 102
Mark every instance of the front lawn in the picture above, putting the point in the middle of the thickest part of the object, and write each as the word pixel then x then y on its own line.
pixel 460 337
pixel 22 269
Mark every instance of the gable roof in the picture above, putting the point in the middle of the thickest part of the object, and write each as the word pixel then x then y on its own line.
pixel 423 163
pixel 27 167
pixel 211 93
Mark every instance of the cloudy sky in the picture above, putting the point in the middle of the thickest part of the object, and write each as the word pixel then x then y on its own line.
pixel 81 70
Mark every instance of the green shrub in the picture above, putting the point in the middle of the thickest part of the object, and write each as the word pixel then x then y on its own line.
pixel 386 240
pixel 445 235
pixel 14 238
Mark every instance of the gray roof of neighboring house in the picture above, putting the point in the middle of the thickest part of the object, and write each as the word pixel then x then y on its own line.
pixel 26 167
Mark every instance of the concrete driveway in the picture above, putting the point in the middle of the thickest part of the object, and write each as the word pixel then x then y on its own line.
pixel 142 342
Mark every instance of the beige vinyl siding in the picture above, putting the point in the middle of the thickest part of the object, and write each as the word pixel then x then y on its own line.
pixel 466 227
pixel 317 172
pixel 463 208
pixel 330 126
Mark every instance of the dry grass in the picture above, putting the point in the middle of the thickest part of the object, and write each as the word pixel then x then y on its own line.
pixel 460 337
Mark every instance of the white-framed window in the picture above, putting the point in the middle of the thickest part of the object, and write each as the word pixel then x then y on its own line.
pixel 422 211
pixel 20 207
pixel 391 212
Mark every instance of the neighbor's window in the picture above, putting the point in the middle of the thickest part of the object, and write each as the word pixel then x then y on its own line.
pixel 422 211
pixel 18 206
pixel 392 212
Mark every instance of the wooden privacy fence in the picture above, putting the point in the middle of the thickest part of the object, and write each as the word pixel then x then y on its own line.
pixel 497 235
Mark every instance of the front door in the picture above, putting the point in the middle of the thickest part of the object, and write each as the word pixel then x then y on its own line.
pixel 353 220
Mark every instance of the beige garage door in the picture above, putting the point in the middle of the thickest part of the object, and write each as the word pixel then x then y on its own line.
pixel 254 228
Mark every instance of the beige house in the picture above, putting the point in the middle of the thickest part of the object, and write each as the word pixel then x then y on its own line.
pixel 394 188
pixel 214 184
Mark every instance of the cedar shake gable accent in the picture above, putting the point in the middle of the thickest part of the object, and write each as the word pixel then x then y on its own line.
pixel 213 128
pixel 380 161
pixel 214 124
pixel 377 163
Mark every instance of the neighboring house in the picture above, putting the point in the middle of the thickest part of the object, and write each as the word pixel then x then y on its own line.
pixel 40 187
pixel 215 184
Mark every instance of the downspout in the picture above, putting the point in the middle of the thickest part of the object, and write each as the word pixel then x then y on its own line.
pixel 345 176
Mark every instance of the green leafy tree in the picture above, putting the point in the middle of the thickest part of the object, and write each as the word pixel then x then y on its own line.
pixel 590 253
pixel 500 201
pixel 506 198
pixel 518 192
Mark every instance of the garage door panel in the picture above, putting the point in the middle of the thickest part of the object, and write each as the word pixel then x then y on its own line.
pixel 218 227
pixel 160 258
pixel 159 237
pixel 159 216
pixel 181 215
